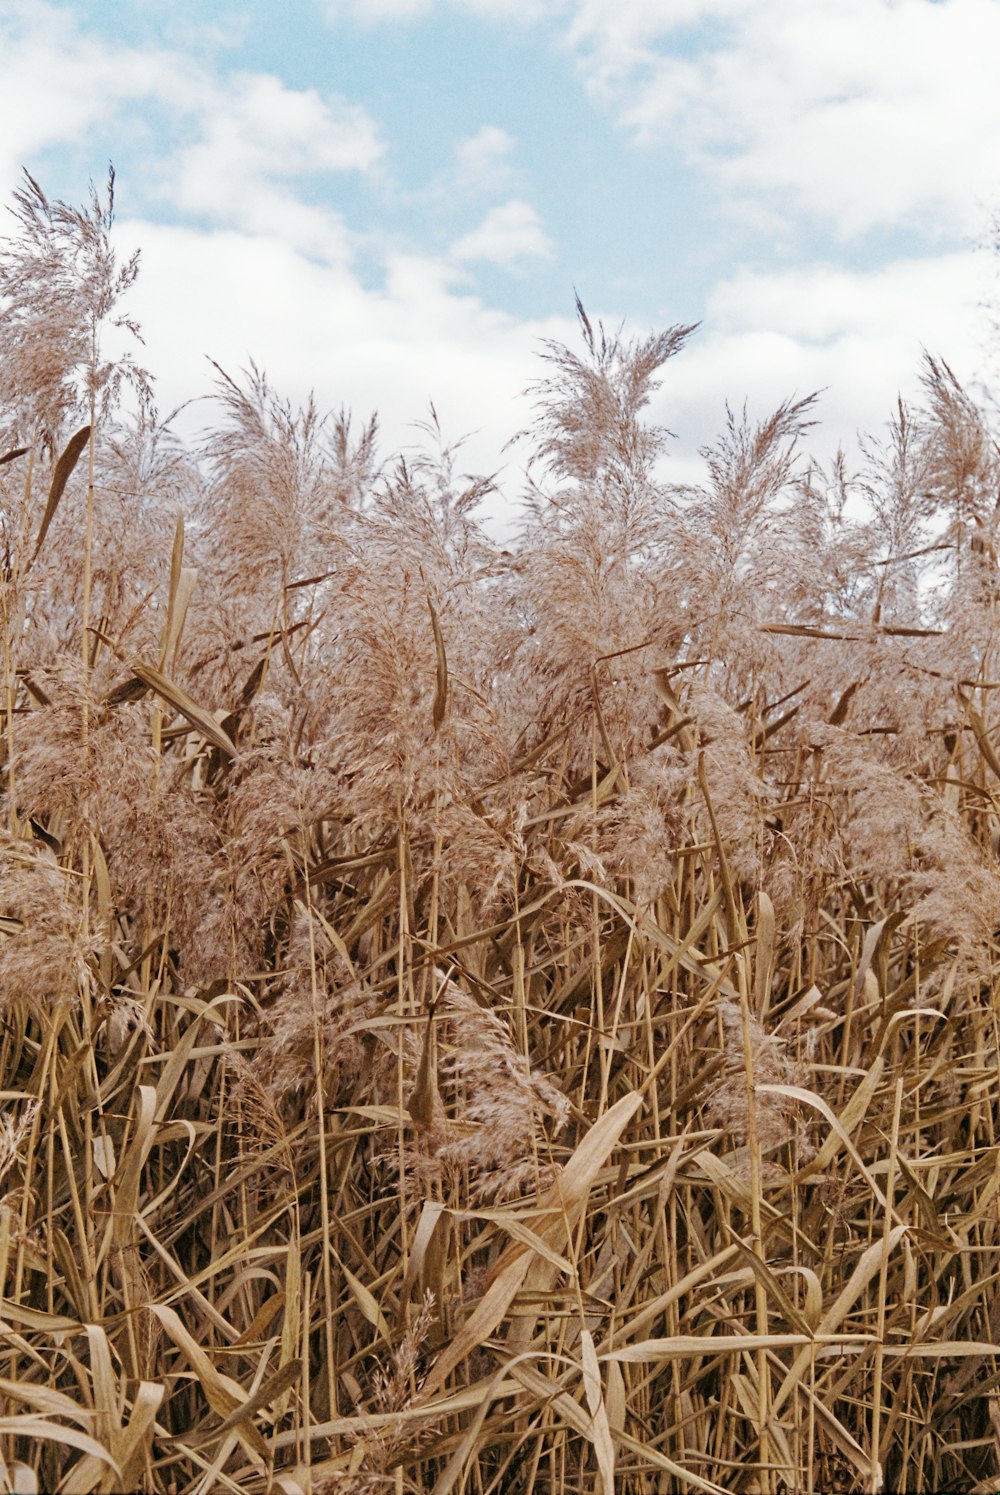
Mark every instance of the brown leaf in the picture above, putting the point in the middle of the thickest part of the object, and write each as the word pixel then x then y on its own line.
pixel 441 692
pixel 188 708
pixel 64 468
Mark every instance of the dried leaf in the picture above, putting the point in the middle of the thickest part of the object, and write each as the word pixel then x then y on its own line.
pixel 188 708
pixel 64 467
pixel 440 709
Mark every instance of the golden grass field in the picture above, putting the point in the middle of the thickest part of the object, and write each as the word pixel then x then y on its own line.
pixel 484 1017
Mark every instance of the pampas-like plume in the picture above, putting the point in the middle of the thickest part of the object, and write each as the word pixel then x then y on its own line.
pixel 43 947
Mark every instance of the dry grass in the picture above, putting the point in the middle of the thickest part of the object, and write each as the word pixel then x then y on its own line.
pixel 482 1020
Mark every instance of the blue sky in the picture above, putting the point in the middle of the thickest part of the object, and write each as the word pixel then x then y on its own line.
pixel 393 201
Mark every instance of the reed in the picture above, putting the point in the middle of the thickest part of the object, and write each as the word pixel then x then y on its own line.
pixel 483 1019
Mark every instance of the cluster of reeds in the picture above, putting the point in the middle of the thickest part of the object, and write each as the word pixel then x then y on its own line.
pixel 489 1019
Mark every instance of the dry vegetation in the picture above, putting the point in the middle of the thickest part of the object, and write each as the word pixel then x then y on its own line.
pixel 483 1019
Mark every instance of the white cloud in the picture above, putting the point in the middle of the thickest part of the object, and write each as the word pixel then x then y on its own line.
pixel 819 302
pixel 376 12
pixel 257 137
pixel 854 335
pixel 254 138
pixel 479 166
pixel 260 126
pixel 60 83
pixel 508 234
pixel 392 349
pixel 482 160
pixel 861 114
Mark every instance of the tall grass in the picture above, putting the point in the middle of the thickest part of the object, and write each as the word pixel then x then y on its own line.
pixel 483 1019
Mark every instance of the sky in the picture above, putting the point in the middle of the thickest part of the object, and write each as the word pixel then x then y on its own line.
pixel 394 202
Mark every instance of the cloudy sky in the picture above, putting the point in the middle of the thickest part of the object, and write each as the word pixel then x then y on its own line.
pixel 392 201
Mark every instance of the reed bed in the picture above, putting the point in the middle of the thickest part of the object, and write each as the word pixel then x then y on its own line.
pixel 484 1018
